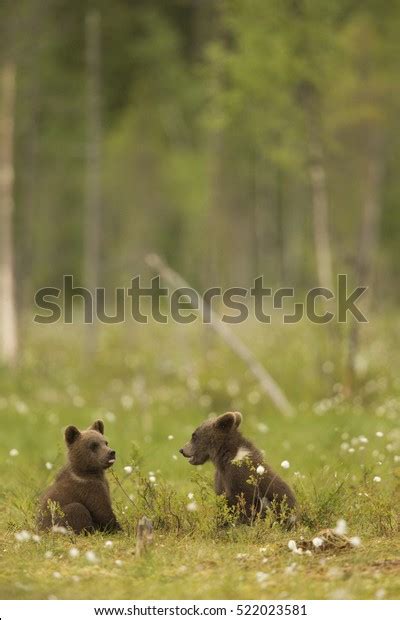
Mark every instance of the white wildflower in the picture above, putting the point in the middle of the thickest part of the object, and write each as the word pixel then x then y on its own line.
pixel 260 470
pixel 191 507
pixel 175 458
pixel 242 556
pixel 152 478
pixel 190 495
pixel 91 557
pixel 108 544
pixel 22 536
pixel 292 545
pixel 261 577
pixel 118 562
pixel 355 541
pixel 56 575
pixel 21 407
pixel 48 555
pixel 341 527
pixel 13 452
pixel 317 541
pixel 49 465
pixel 170 437
pixel 377 479
pixel 285 464
pixel 36 538
pixel 74 552
pixel 128 469
pixel 59 529
pixel 379 434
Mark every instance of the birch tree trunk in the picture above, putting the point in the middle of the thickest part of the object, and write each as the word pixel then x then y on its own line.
pixel 8 319
pixel 93 165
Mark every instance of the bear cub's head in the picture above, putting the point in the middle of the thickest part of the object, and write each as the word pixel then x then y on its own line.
pixel 210 436
pixel 88 450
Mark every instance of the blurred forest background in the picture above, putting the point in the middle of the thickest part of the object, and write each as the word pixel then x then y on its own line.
pixel 235 138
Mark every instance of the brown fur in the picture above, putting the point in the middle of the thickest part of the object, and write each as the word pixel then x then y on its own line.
pixel 219 441
pixel 80 489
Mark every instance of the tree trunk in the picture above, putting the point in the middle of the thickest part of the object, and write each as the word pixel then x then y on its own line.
pixel 368 243
pixel 30 173
pixel 320 203
pixel 93 165
pixel 8 319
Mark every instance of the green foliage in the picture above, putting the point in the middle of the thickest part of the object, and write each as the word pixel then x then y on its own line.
pixel 208 112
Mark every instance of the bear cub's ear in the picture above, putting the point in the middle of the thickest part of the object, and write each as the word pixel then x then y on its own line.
pixel 71 434
pixel 229 420
pixel 97 426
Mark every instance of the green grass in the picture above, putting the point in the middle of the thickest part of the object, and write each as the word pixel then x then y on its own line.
pixel 151 382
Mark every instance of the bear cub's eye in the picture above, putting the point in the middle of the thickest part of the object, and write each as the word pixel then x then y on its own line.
pixel 94 446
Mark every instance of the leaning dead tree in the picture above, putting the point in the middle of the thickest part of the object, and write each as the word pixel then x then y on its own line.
pixel 266 381
pixel 8 319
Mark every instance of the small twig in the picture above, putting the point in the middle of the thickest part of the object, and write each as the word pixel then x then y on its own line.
pixel 114 475
pixel 178 521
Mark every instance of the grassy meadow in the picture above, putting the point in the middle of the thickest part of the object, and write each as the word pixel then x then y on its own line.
pixel 152 385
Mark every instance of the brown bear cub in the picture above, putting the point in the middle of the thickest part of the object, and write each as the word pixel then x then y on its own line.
pixel 79 498
pixel 241 474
